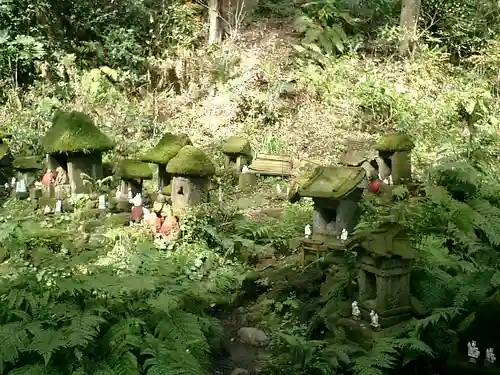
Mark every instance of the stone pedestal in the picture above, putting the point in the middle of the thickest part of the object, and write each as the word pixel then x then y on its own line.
pixel 247 181
pixel 401 167
pixel 189 191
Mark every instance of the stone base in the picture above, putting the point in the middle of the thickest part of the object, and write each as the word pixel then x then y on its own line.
pixel 390 317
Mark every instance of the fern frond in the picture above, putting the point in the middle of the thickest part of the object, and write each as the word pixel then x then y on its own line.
pixel 442 314
pixel 123 336
pixel 35 370
pixel 47 341
pixel 83 329
pixel 383 356
pixel 14 339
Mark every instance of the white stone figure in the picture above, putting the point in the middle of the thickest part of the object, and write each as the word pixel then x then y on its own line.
pixel 490 356
pixel 472 351
pixel 47 210
pixel 245 169
pixel 288 191
pixel 278 189
pixel 58 206
pixel 118 193
pixel 343 235
pixel 356 312
pixel 102 202
pixel 6 186
pixel 307 231
pixel 13 182
pixel 374 319
pixel 21 187
pixel 137 200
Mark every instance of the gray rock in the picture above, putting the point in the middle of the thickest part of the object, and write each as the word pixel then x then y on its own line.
pixel 240 371
pixel 253 336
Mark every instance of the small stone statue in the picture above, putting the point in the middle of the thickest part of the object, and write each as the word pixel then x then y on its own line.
pixel 472 351
pixel 490 356
pixel 374 320
pixel 137 213
pixel 62 177
pixel 343 235
pixel 102 202
pixel 6 186
pixel 58 206
pixel 307 231
pixel 21 187
pixel 48 178
pixel 245 169
pixel 13 182
pixel 356 312
pixel 278 189
pixel 47 210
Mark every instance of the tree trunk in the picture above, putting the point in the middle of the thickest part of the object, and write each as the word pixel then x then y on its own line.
pixel 215 30
pixel 410 10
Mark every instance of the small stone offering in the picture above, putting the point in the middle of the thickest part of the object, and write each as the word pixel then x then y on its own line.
pixel 356 312
pixel 472 351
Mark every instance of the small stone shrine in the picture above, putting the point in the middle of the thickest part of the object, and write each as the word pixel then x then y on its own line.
pixel 27 169
pixel 336 192
pixel 385 257
pixel 191 170
pixel 74 145
pixel 238 152
pixel 360 154
pixel 168 147
pixel 395 151
pixel 132 174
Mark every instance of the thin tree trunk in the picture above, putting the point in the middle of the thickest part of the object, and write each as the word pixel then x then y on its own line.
pixel 215 30
pixel 410 11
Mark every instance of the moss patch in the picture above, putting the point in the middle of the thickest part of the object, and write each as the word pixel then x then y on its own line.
pixel 129 169
pixel 4 150
pixel 332 182
pixel 75 132
pixel 236 146
pixel 394 142
pixel 27 163
pixel 167 190
pixel 386 241
pixel 166 148
pixel 191 161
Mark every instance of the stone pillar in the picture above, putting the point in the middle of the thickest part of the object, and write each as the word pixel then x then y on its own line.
pixel 164 178
pixel 346 215
pixel 401 167
pixel 189 191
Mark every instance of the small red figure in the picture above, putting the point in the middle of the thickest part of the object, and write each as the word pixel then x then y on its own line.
pixel 375 185
pixel 48 178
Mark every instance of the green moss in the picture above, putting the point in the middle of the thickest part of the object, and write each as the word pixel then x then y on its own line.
pixel 4 150
pixel 332 182
pixel 394 142
pixel 129 169
pixel 167 190
pixel 27 163
pixel 166 148
pixel 386 241
pixel 74 132
pixel 236 146
pixel 191 161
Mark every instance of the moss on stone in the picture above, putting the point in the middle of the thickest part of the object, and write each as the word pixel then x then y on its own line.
pixel 75 132
pixel 129 169
pixel 4 150
pixel 236 146
pixel 27 163
pixel 167 190
pixel 166 149
pixel 191 161
pixel 394 142
pixel 332 182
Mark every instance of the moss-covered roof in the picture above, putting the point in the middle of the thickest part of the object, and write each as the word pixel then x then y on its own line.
pixel 130 169
pixel 331 182
pixel 387 241
pixel 27 163
pixel 236 146
pixel 166 148
pixel 191 161
pixel 75 132
pixel 4 150
pixel 394 142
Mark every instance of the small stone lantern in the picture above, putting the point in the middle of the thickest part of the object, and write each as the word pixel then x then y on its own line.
pixel 191 170
pixel 238 152
pixel 395 150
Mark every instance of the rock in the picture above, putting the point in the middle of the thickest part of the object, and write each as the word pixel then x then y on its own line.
pixel 240 371
pixel 253 336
